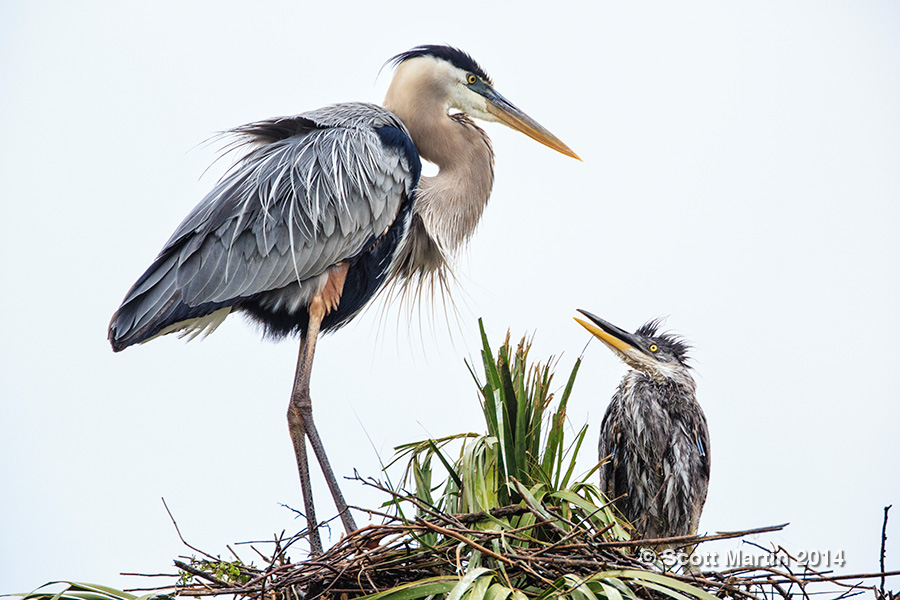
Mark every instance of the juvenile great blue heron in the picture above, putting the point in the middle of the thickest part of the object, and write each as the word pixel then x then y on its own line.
pixel 323 210
pixel 654 433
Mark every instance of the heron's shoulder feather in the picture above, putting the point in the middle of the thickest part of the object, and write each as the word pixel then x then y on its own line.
pixel 346 115
pixel 321 162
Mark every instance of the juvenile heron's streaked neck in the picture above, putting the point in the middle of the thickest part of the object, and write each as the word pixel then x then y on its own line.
pixel 664 375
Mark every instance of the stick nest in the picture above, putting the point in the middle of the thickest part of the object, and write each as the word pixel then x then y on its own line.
pixel 392 561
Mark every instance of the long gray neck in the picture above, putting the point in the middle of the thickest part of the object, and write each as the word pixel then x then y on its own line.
pixel 448 205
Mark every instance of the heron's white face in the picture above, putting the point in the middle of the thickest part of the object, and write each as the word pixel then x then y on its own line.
pixel 439 81
pixel 462 98
pixel 661 371
pixel 639 360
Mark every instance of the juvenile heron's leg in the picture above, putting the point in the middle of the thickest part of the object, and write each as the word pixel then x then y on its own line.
pixel 301 404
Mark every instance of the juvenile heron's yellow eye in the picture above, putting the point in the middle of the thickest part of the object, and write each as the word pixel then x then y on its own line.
pixel 472 79
pixel 653 348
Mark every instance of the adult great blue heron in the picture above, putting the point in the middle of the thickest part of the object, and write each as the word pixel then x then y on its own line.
pixel 654 433
pixel 324 208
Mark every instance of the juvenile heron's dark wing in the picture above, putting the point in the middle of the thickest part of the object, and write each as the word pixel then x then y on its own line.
pixel 608 448
pixel 702 468
pixel 315 190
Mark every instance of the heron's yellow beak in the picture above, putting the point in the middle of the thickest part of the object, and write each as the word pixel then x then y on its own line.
pixel 608 339
pixel 516 119
pixel 507 113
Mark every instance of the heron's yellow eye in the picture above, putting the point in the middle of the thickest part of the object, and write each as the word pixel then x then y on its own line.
pixel 653 348
pixel 472 79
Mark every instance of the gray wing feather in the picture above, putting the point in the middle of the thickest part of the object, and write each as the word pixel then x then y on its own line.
pixel 605 448
pixel 702 484
pixel 294 206
pixel 291 197
pixel 159 295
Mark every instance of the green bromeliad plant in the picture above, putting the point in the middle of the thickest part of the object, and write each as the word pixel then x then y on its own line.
pixel 523 456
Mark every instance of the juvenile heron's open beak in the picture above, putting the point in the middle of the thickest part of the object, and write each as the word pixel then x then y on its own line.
pixel 507 113
pixel 609 334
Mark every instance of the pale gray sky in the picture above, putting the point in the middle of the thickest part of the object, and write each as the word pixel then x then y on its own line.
pixel 741 176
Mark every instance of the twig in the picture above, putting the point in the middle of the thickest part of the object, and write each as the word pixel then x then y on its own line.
pixel 266 575
pixel 883 542
pixel 417 502
pixel 561 541
pixel 377 513
pixel 684 540
pixel 838 578
pixel 497 513
pixel 181 537
pixel 538 512
pixel 202 574
pixel 467 541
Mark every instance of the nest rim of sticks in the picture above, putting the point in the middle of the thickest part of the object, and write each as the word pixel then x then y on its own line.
pixel 377 559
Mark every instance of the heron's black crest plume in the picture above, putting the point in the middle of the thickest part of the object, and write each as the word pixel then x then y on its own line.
pixel 672 342
pixel 454 56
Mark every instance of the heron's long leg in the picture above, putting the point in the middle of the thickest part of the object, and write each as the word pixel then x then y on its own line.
pixel 298 437
pixel 302 403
